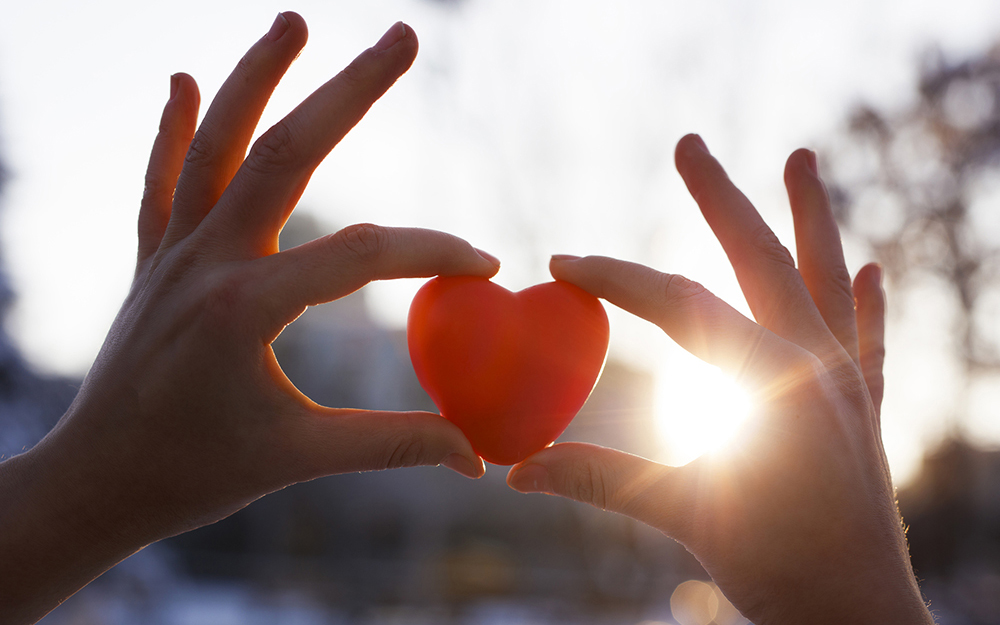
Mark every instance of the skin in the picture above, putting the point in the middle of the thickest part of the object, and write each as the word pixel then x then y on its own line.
pixel 796 522
pixel 186 416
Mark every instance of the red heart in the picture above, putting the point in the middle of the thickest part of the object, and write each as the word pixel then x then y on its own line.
pixel 510 369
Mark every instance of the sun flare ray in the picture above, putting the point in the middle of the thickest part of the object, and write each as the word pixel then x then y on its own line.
pixel 698 409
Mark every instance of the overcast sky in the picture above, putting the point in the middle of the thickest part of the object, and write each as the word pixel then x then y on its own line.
pixel 529 127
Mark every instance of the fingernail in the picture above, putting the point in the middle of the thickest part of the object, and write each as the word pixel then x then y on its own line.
pixel 811 162
pixel 490 257
pixel 564 257
pixel 531 478
pixel 278 28
pixel 175 82
pixel 460 464
pixel 391 36
pixel 700 142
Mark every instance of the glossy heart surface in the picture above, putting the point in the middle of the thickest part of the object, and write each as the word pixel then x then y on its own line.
pixel 511 370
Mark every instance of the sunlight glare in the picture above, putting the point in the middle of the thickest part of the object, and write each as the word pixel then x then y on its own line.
pixel 698 409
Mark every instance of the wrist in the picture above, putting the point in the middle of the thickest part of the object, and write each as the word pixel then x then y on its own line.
pixel 875 597
pixel 63 523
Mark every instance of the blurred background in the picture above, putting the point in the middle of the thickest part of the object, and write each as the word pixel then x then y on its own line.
pixel 528 128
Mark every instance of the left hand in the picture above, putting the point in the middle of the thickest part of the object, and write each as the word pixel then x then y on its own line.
pixel 186 416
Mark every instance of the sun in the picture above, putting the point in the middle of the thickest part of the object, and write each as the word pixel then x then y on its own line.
pixel 698 409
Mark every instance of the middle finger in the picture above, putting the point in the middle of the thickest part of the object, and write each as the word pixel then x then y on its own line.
pixel 220 143
pixel 765 270
pixel 265 189
pixel 820 253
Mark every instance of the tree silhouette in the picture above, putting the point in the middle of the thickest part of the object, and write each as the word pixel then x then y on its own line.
pixel 922 187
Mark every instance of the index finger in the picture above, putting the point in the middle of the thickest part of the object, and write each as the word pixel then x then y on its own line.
pixel 333 266
pixel 275 173
pixel 695 318
pixel 766 272
pixel 819 251
pixel 219 145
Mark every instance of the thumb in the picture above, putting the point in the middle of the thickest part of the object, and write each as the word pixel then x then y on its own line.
pixel 329 441
pixel 607 479
pixel 333 266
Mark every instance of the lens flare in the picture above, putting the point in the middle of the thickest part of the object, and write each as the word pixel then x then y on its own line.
pixel 698 408
pixel 702 603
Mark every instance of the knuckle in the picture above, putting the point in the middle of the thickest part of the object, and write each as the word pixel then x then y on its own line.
pixel 838 283
pixel 405 452
pixel 806 379
pixel 844 373
pixel 155 187
pixel 355 76
pixel 275 150
pixel 677 291
pixel 244 67
pixel 811 367
pixel 591 487
pixel 166 126
pixel 766 244
pixel 364 243
pixel 200 150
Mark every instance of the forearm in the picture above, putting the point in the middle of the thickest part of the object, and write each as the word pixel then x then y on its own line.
pixel 854 583
pixel 888 602
pixel 61 525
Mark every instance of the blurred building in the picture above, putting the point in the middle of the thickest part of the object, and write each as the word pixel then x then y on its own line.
pixel 952 510
pixel 30 403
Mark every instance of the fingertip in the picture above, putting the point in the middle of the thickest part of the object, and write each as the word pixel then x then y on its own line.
pixel 810 157
pixel 399 38
pixel 690 150
pixel 408 48
pixel 179 83
pixel 493 260
pixel 529 477
pixel 878 272
pixel 870 273
pixel 184 91
pixel 412 37
pixel 294 20
pixel 465 264
pixel 801 161
pixel 869 281
pixel 692 141
pixel 297 27
pixel 389 58
pixel 561 266
pixel 808 197
pixel 472 468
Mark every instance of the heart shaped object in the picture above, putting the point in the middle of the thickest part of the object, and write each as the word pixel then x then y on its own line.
pixel 511 370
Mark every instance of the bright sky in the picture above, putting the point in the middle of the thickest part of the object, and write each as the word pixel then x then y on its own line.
pixel 528 127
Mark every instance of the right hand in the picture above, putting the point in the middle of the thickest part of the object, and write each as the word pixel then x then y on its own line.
pixel 796 522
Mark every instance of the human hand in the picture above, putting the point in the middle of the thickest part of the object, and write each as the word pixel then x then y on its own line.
pixel 186 416
pixel 796 521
